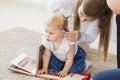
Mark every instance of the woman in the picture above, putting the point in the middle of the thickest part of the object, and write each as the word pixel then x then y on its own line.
pixel 90 18
pixel 113 74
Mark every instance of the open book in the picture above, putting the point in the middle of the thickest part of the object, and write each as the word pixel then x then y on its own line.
pixel 25 64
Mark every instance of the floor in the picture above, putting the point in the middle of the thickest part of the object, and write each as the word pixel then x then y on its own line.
pixel 19 40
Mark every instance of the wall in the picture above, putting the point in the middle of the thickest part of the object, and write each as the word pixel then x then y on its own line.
pixel 31 14
pixel 22 13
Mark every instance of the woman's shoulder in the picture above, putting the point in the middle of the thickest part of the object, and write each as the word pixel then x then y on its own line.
pixel 67 6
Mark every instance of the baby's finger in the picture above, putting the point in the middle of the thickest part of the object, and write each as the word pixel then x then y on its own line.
pixel 46 72
pixel 39 72
pixel 62 75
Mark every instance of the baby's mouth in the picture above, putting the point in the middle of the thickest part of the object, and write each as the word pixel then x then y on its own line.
pixel 48 40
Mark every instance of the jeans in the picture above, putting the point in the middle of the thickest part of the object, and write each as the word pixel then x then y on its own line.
pixel 113 74
pixel 118 40
pixel 78 63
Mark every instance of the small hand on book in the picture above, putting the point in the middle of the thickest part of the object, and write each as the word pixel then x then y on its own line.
pixel 42 71
pixel 51 72
pixel 63 73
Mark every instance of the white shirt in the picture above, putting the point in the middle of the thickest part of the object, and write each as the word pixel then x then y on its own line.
pixel 62 51
pixel 62 6
pixel 89 30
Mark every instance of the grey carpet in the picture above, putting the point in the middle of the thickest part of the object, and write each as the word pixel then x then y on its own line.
pixel 19 40
pixel 12 43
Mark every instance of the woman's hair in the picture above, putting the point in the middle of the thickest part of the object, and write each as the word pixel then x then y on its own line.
pixel 76 16
pixel 98 9
pixel 58 20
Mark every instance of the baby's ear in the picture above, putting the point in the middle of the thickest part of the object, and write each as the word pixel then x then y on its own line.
pixel 63 32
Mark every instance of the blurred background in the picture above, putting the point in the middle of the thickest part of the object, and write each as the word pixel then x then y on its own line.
pixel 31 15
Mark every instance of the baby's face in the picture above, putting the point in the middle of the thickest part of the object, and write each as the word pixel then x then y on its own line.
pixel 52 33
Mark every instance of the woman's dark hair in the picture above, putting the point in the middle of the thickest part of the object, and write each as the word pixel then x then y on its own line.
pixel 76 16
pixel 41 50
pixel 97 9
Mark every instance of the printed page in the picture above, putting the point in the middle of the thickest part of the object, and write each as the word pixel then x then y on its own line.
pixel 25 62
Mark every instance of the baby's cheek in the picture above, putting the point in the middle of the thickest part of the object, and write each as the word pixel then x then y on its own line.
pixel 53 38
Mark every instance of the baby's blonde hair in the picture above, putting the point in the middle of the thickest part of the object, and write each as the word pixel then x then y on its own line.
pixel 58 20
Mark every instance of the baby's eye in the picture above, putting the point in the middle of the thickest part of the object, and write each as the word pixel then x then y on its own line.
pixel 50 33
pixel 46 32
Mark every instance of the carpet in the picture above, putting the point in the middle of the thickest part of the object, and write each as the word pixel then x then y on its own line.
pixel 19 40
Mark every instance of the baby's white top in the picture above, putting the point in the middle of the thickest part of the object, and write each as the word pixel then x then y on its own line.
pixel 61 52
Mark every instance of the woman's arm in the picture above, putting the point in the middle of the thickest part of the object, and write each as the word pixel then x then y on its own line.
pixel 69 61
pixel 84 36
pixel 88 36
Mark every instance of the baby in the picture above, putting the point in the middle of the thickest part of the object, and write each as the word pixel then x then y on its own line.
pixel 60 54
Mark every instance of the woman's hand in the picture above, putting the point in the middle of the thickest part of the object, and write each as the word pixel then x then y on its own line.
pixel 62 73
pixel 73 35
pixel 42 71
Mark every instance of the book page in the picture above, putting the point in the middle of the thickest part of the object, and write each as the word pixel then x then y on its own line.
pixel 25 62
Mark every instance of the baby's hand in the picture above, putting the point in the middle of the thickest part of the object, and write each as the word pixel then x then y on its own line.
pixel 62 73
pixel 42 71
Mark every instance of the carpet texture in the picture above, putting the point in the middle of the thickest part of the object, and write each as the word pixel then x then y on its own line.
pixel 19 40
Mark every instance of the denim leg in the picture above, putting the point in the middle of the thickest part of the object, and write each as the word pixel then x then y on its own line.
pixel 79 61
pixel 113 74
pixel 118 40
pixel 55 64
